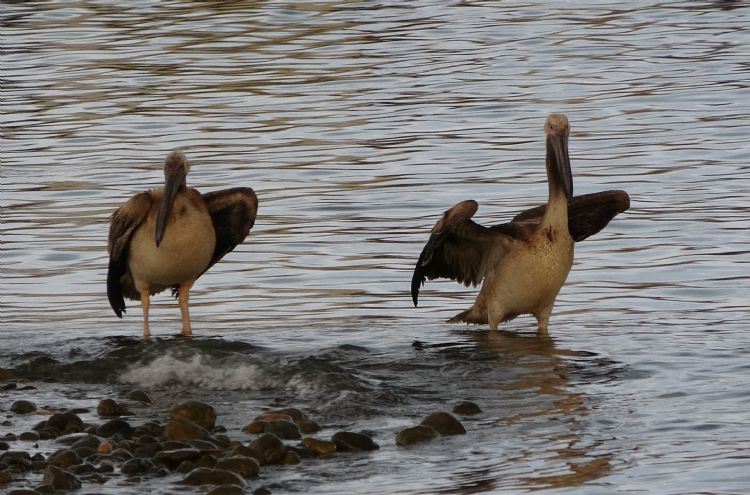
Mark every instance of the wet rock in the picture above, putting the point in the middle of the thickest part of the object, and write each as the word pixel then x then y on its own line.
pixel 65 422
pixel 6 476
pixel 60 479
pixel 121 454
pixel 84 452
pixel 283 429
pixel 309 426
pixel 416 434
pixel 173 458
pixel 296 414
pixel 63 458
pixel 48 434
pixel 349 441
pixel 444 423
pixel 291 457
pixel 262 491
pixel 205 445
pixel 182 429
pixel 45 489
pixel 152 428
pixel 104 448
pixel 302 451
pixel 10 437
pixel 185 467
pixel 23 491
pixel 29 436
pixel 148 450
pixel 201 414
pixel 83 469
pixel 94 478
pixel 226 490
pixel 114 427
pixel 466 408
pixel 209 476
pixel 105 467
pixel 23 407
pixel 247 467
pixel 274 416
pixel 137 466
pixel 18 459
pixel 139 396
pixel 319 447
pixel 268 449
pixel 79 440
pixel 108 408
pixel 176 445
pixel 4 446
pixel 241 450
pixel 206 460
pixel 256 427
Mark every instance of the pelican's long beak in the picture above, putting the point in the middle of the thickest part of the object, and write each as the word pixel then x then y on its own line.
pixel 174 181
pixel 559 169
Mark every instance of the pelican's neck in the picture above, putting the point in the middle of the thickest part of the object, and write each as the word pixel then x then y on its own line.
pixel 557 202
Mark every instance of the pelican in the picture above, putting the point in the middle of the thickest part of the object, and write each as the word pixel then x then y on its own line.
pixel 523 264
pixel 168 237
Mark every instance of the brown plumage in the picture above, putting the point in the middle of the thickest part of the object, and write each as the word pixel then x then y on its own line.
pixel 168 237
pixel 521 264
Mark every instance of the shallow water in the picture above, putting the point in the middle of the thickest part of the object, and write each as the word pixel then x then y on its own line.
pixel 358 123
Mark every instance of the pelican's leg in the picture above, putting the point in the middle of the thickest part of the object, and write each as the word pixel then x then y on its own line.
pixel 183 301
pixel 542 319
pixel 145 301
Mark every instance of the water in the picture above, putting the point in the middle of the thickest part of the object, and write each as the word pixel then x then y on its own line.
pixel 357 124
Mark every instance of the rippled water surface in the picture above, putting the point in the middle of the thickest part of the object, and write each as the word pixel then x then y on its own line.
pixel 358 123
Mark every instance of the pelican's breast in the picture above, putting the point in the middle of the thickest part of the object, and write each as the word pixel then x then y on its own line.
pixel 184 252
pixel 531 276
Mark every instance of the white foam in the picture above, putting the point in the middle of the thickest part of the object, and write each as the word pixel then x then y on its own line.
pixel 198 371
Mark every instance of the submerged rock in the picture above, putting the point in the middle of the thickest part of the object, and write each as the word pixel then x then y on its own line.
pixel 466 408
pixel 209 476
pixel 139 396
pixel 23 407
pixel 416 434
pixel 108 408
pixel 444 423
pixel 29 436
pixel 113 427
pixel 60 479
pixel 65 422
pixel 349 441
pixel 199 413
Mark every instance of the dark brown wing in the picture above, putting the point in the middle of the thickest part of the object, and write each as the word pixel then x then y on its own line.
pixel 123 224
pixel 587 214
pixel 233 215
pixel 458 249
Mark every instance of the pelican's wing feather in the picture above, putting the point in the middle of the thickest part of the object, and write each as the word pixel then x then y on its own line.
pixel 459 249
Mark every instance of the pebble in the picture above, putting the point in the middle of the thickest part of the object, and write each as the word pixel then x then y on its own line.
pixel 226 490
pixel 285 430
pixel 207 476
pixel 268 449
pixel 256 427
pixel 319 447
pixel 60 479
pixel 65 422
pixel 114 427
pixel 199 413
pixel 416 434
pixel 349 441
pixel 444 423
pixel 23 407
pixel 183 429
pixel 108 408
pixel 63 458
pixel 137 466
pixel 4 445
pixel 29 436
pixel 139 396
pixel 466 408
pixel 247 467
pixel 173 458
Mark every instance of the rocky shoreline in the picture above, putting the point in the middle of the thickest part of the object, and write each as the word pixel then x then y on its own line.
pixel 188 442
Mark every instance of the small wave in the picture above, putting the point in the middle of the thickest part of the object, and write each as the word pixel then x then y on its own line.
pixel 199 371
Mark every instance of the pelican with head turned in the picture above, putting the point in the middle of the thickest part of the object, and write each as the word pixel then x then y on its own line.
pixel 523 264
pixel 168 237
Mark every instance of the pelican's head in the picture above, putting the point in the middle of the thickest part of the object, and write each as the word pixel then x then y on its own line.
pixel 560 176
pixel 176 168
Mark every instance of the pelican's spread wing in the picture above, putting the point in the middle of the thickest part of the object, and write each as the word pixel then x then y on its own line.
pixel 458 249
pixel 587 214
pixel 123 224
pixel 233 215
